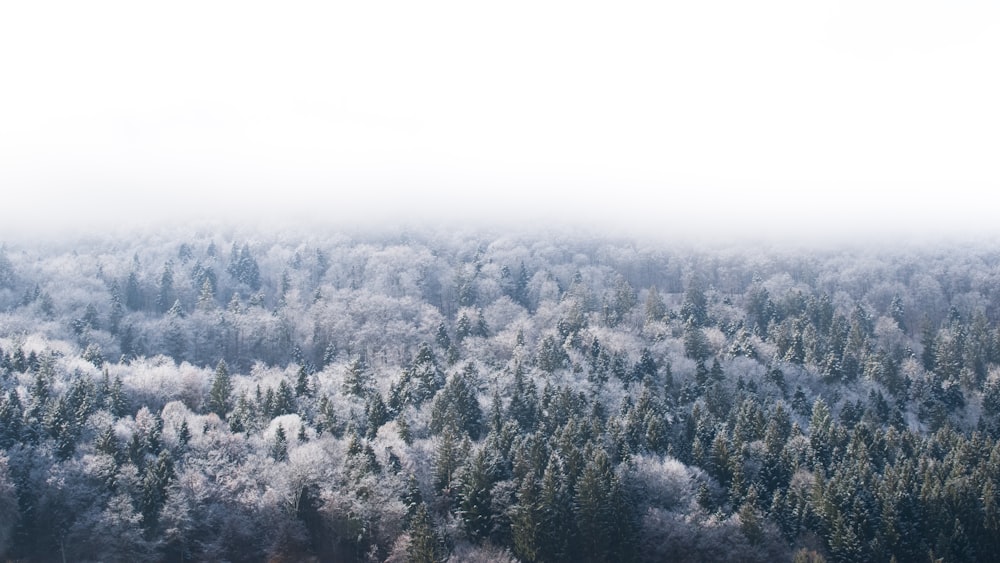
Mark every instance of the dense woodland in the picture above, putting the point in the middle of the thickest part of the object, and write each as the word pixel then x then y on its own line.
pixel 429 396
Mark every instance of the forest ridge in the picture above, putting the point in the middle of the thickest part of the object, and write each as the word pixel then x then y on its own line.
pixel 428 396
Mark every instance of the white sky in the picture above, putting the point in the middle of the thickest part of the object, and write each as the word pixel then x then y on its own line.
pixel 768 117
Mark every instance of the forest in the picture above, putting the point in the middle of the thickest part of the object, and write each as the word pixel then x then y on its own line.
pixel 214 394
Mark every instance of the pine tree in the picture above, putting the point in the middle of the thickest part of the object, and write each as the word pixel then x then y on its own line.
pixel 222 388
pixel 11 419
pixel 115 398
pixel 424 378
pixel 457 406
pixel 474 495
pixel 206 296
pixel 133 292
pixel 284 400
pixel 694 309
pixel 184 434
pixel 302 388
pixel 555 508
pixel 656 310
pixel 158 476
pixel 326 420
pixel 521 287
pixel 355 378
pixel 446 461
pixel 591 507
pixel 897 313
pixel 525 521
pixel 279 448
pixel 376 414
pixel 117 309
pixel 423 543
pixel 695 344
pixel 165 298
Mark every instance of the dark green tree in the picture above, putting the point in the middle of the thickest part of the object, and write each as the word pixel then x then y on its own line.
pixel 219 400
pixel 279 447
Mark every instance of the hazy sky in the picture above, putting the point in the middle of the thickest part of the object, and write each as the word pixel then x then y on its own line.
pixel 766 117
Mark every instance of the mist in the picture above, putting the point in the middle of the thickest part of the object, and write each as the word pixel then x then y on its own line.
pixel 776 121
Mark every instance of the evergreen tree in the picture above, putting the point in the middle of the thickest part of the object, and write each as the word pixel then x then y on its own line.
pixel 376 413
pixel 521 287
pixel 555 508
pixel 133 292
pixel 525 521
pixel 423 543
pixel 424 378
pixel 165 297
pixel 158 476
pixel 302 387
pixel 284 400
pixel 206 296
pixel 446 460
pixel 695 343
pixel 656 310
pixel 474 495
pixel 897 312
pixel 11 415
pixel 243 267
pixel 279 447
pixel 694 309
pixel 592 505
pixel 355 378
pixel 222 388
pixel 184 434
pixel 457 406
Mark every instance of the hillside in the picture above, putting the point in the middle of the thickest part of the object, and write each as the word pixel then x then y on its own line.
pixel 424 395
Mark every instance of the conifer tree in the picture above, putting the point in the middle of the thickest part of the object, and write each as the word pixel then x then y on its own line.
pixel 222 388
pixel 474 495
pixel 423 543
pixel 279 447
pixel 302 387
pixel 525 521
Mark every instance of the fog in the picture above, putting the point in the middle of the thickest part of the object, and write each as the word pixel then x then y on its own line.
pixel 770 120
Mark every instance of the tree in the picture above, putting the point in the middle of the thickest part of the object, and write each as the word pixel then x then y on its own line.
pixel 474 495
pixel 134 299
pixel 302 387
pixel 376 413
pixel 356 378
pixel 551 355
pixel 279 447
pixel 423 543
pixel 158 476
pixel 174 338
pixel 897 312
pixel 695 344
pixel 457 405
pixel 244 268
pixel 424 378
pixel 556 510
pixel 656 310
pixel 694 309
pixel 206 296
pixel 184 434
pixel 592 507
pixel 11 419
pixel 525 520
pixel 222 388
pixel 7 278
pixel 165 298
pixel 9 514
pixel 446 460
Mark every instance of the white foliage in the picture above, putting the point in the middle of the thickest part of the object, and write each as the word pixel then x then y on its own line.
pixel 663 482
